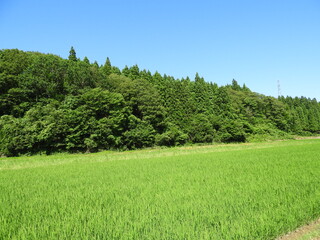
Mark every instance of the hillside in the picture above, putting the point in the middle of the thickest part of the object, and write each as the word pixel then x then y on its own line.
pixel 50 104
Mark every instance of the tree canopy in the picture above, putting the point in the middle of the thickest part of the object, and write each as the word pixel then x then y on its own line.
pixel 50 104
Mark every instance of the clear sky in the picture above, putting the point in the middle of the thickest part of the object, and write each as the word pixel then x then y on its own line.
pixel 256 42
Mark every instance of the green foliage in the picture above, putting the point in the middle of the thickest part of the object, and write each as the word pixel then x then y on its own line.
pixel 140 134
pixel 80 75
pixel 44 77
pixel 231 131
pixel 107 67
pixel 72 55
pixel 200 129
pixel 141 97
pixel 173 136
pixel 14 61
pixel 52 104
pixel 235 85
pixel 276 112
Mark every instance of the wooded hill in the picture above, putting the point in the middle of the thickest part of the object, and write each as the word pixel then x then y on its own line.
pixel 50 104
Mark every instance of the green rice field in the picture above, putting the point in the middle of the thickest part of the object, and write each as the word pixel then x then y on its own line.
pixel 234 191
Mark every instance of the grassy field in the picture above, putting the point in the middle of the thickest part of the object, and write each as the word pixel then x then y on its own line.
pixel 236 191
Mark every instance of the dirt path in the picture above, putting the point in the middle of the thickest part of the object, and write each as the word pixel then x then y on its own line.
pixel 312 137
pixel 308 232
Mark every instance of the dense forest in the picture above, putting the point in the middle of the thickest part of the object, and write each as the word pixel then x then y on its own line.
pixel 50 104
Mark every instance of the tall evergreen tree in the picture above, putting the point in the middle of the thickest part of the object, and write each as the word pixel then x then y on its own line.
pixel 86 60
pixel 107 67
pixel 72 55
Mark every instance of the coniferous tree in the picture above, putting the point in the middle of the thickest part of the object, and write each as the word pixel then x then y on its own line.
pixel 86 60
pixel 107 68
pixel 235 85
pixel 72 55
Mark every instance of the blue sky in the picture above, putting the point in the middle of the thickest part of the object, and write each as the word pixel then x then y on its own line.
pixel 256 42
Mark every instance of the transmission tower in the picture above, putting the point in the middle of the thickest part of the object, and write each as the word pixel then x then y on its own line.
pixel 279 89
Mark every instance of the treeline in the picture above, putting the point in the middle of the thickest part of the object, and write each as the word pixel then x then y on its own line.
pixel 50 104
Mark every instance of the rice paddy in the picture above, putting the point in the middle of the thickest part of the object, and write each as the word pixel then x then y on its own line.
pixel 235 191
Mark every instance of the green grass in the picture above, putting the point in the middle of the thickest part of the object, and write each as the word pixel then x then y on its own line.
pixel 236 191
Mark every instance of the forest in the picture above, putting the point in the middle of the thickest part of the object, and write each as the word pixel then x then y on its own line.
pixel 49 104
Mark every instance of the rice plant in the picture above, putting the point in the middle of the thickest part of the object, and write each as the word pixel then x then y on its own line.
pixel 241 191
